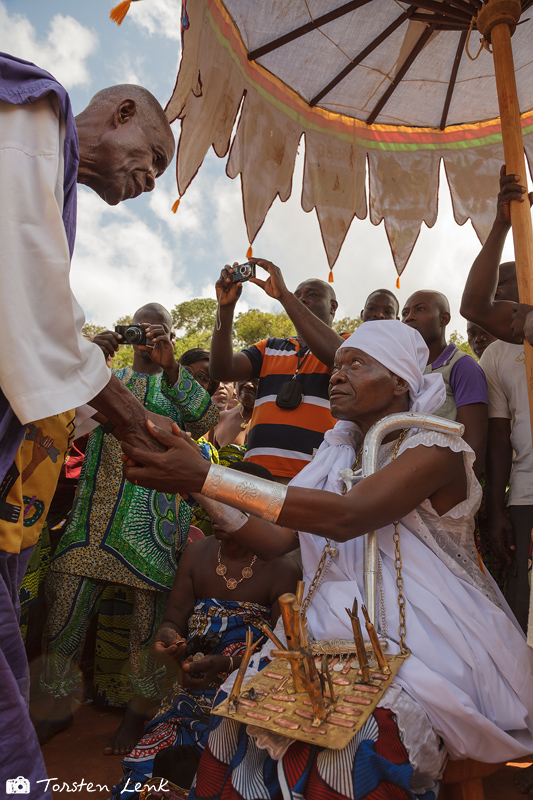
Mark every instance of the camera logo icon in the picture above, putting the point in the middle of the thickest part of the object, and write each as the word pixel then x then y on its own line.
pixel 18 785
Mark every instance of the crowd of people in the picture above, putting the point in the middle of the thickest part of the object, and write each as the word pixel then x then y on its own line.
pixel 166 506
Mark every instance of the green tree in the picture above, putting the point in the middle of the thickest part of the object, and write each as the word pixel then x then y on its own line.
pixel 90 329
pixel 127 319
pixel 195 316
pixel 461 343
pixel 194 321
pixel 253 325
pixel 346 324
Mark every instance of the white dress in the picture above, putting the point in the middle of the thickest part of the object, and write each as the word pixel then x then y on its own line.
pixel 470 668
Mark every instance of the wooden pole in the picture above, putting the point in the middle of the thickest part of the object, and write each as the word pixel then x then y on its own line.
pixel 513 148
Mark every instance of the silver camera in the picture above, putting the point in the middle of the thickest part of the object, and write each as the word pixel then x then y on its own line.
pixel 243 272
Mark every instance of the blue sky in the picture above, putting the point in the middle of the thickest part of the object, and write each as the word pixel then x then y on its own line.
pixel 139 251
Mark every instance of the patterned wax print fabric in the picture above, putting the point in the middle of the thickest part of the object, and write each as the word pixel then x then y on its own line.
pixel 126 534
pixel 183 718
pixel 111 684
pixel 374 766
pixel 34 579
pixel 72 602
pixel 29 484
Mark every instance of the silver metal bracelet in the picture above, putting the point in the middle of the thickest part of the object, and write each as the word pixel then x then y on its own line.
pixel 259 497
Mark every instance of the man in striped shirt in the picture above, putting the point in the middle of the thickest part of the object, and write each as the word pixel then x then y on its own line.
pixel 291 412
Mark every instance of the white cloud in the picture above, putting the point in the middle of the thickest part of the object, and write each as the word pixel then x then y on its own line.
pixel 161 17
pixel 63 51
pixel 121 262
pixel 129 68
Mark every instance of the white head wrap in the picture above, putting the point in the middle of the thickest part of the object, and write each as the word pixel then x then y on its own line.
pixel 400 349
pixel 403 351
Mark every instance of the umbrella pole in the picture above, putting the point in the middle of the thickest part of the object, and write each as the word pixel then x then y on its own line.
pixel 513 148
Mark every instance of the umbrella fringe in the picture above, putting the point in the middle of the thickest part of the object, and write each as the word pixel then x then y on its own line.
pixel 118 13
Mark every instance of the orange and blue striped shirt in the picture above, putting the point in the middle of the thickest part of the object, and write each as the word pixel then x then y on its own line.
pixel 284 440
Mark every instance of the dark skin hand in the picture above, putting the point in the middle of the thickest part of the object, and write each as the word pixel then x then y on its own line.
pixel 225 365
pixel 312 317
pixel 196 578
pixel 362 391
pixel 117 404
pixel 478 303
pixel 313 329
pixel 149 359
pixel 497 472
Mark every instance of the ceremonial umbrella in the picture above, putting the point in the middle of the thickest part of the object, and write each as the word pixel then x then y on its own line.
pixel 379 87
pixel 378 83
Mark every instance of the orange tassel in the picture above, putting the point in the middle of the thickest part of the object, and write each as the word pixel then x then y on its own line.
pixel 175 205
pixel 330 278
pixel 118 13
pixel 250 252
pixel 398 282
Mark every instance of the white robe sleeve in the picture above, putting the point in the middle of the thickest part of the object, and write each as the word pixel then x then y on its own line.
pixel 46 366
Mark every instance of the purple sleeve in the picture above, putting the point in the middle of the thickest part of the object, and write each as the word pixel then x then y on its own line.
pixel 468 382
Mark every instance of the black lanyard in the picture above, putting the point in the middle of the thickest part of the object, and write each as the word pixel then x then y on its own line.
pixel 298 356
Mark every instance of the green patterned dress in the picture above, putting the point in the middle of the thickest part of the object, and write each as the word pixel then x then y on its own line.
pixel 123 533
pixel 119 553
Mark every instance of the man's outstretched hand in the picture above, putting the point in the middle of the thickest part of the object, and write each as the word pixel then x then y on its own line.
pixel 274 285
pixel 139 436
pixel 179 469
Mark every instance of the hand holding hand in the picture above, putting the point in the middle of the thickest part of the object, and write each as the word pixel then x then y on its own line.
pixel 181 469
pixel 140 437
pixel 274 286
pixel 228 291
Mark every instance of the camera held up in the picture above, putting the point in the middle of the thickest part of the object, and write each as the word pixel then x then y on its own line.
pixel 243 272
pixel 132 334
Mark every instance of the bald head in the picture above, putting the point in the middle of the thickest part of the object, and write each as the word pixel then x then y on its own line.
pixel 319 297
pixel 428 312
pixel 155 314
pixel 319 283
pixel 125 142
pixel 148 107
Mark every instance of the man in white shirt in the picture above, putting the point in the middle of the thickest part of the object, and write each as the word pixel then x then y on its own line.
pixel 117 146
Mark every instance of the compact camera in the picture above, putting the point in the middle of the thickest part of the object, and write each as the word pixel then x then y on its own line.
pixel 18 785
pixel 243 272
pixel 131 334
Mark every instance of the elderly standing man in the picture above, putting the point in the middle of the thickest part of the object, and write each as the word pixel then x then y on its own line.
pixel 117 146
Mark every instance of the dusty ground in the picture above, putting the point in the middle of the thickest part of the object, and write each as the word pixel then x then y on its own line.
pixel 77 753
